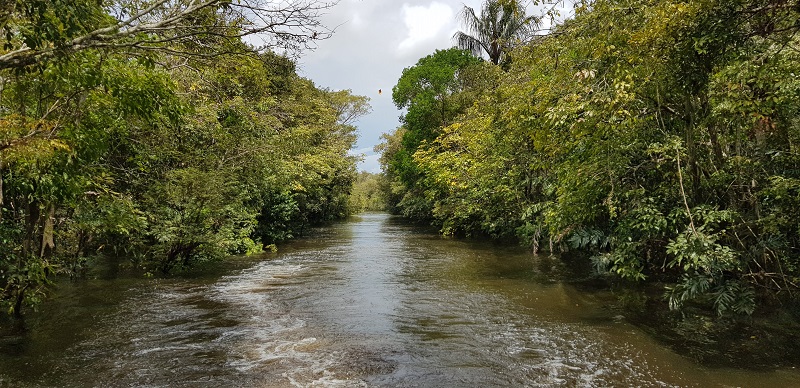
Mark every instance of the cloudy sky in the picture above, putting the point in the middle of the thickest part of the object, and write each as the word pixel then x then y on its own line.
pixel 374 41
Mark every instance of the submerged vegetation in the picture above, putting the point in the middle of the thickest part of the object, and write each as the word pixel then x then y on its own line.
pixel 149 130
pixel 659 136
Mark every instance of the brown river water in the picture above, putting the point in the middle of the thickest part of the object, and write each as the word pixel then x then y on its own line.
pixel 372 302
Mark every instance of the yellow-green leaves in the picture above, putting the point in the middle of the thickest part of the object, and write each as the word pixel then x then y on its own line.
pixel 664 132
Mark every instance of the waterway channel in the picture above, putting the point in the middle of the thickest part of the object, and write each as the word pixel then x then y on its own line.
pixel 372 302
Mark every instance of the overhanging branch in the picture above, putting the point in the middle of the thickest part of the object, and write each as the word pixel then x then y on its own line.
pixel 290 24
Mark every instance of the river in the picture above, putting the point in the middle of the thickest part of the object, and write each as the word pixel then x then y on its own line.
pixel 372 302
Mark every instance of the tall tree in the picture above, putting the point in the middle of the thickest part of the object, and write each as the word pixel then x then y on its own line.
pixel 434 92
pixel 498 28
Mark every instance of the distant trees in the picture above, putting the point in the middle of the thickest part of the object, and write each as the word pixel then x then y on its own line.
pixel 500 26
pixel 368 193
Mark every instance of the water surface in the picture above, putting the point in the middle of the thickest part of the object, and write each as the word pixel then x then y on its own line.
pixel 370 302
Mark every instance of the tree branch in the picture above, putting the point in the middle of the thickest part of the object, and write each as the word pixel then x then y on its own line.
pixel 289 23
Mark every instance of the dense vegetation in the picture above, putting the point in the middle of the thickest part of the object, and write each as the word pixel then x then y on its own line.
pixel 368 193
pixel 149 130
pixel 660 136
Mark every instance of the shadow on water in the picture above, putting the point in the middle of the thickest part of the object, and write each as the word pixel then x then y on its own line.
pixel 369 302
pixel 766 341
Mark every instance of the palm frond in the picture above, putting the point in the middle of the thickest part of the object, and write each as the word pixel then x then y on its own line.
pixel 497 29
pixel 469 43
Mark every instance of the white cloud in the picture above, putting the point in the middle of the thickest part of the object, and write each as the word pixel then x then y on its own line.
pixel 369 160
pixel 424 23
pixel 374 41
pixel 370 164
pixel 360 151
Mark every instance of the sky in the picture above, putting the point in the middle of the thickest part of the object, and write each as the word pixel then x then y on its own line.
pixel 374 41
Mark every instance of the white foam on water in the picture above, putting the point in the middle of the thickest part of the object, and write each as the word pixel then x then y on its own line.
pixel 574 355
pixel 272 341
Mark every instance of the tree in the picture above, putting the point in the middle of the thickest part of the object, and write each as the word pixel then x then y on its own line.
pixel 431 93
pixel 501 26
pixel 661 137
pixel 131 143
pixel 434 92
pixel 368 193
pixel 37 30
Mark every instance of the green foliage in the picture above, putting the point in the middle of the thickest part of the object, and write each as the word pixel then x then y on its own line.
pixel 725 295
pixel 276 221
pixel 194 216
pixel 368 193
pixel 23 278
pixel 160 158
pixel 38 33
pixel 659 136
pixel 434 92
pixel 42 24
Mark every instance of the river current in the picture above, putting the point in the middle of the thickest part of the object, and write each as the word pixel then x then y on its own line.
pixel 372 302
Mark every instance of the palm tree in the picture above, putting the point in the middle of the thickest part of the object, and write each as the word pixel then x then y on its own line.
pixel 501 25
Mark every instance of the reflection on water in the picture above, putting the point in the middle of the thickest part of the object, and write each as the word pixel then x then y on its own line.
pixel 371 302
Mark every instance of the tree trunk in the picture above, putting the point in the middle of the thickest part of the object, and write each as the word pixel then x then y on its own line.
pixel 48 242
pixel 716 147
pixel 30 240
pixel 19 301
pixel 691 148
